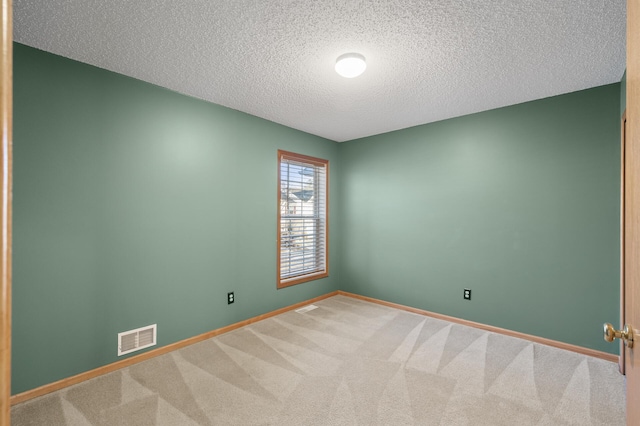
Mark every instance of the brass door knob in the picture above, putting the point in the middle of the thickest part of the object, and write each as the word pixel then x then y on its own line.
pixel 626 334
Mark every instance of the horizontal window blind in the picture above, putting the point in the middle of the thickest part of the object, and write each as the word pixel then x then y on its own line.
pixel 302 216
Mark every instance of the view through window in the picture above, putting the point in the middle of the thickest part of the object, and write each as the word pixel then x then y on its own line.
pixel 302 218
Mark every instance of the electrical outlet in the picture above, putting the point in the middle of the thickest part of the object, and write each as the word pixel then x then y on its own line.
pixel 467 294
pixel 230 298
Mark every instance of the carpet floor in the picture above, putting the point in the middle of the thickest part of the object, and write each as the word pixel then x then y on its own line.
pixel 347 362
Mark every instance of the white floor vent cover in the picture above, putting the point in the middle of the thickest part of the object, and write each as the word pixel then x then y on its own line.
pixel 134 340
pixel 306 309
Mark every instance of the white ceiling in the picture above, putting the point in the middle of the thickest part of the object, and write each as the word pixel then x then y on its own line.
pixel 427 60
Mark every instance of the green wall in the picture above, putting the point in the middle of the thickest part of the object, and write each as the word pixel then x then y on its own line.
pixel 519 204
pixel 134 205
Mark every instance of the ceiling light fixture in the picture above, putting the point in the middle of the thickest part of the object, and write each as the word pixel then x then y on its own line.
pixel 350 65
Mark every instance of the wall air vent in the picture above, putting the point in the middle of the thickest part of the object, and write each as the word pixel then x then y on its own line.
pixel 134 340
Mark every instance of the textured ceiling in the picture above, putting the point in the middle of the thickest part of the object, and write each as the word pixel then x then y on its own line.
pixel 427 60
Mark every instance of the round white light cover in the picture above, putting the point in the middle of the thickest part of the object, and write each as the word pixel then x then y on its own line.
pixel 350 65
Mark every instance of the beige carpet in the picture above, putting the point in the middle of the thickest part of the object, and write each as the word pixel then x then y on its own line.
pixel 347 362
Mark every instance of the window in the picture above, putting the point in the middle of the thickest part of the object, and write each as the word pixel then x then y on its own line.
pixel 302 218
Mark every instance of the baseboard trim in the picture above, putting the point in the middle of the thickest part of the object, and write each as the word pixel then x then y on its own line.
pixel 566 346
pixel 87 375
